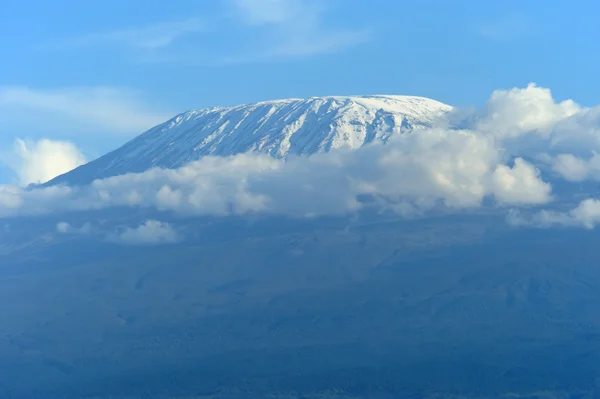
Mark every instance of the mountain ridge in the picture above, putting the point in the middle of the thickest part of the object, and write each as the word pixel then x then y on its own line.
pixel 278 128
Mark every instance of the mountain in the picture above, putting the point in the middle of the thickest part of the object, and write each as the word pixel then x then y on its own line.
pixel 456 305
pixel 278 128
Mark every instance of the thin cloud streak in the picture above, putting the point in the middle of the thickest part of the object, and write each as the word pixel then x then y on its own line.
pixel 151 37
pixel 117 110
pixel 264 30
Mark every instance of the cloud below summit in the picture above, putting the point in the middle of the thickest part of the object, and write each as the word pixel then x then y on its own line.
pixel 410 173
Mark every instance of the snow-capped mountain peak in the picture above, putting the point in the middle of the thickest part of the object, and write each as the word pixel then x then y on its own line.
pixel 279 128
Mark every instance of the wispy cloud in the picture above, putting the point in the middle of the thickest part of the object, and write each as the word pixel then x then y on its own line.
pixel 151 232
pixel 148 37
pixel 116 110
pixel 255 31
pixel 298 27
pixel 586 214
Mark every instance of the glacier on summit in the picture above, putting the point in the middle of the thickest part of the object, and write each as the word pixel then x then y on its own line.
pixel 279 128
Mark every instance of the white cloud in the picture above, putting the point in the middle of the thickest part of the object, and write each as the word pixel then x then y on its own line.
pixel 63 227
pixel 586 214
pixel 578 134
pixel 67 228
pixel 511 113
pixel 116 110
pixel 210 186
pixel 152 232
pixel 148 37
pixel 542 219
pixel 531 124
pixel 575 169
pixel 520 184
pixel 11 199
pixel 43 160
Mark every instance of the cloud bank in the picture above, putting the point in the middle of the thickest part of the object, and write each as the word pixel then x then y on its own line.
pixel 455 169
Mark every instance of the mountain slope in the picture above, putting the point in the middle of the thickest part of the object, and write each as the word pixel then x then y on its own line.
pixel 278 128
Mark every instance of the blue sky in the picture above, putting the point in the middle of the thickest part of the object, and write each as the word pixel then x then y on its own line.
pixel 98 73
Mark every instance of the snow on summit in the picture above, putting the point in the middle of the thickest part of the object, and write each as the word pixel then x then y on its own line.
pixel 278 128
